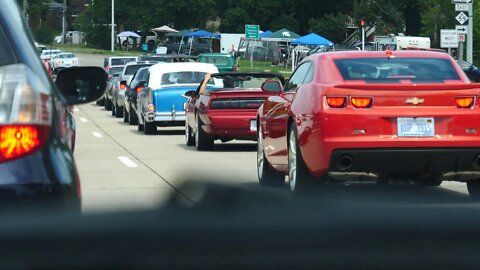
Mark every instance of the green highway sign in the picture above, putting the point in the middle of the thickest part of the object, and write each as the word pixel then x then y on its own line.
pixel 252 31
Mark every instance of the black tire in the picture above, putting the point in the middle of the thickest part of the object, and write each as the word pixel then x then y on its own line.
pixel 299 178
pixel 108 104
pixel 149 128
pixel 113 109
pixel 202 141
pixel 473 187
pixel 189 138
pixel 267 176
pixel 140 127
pixel 118 112
pixel 125 115
pixel 101 102
pixel 132 117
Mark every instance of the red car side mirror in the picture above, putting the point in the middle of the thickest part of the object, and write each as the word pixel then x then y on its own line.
pixel 272 86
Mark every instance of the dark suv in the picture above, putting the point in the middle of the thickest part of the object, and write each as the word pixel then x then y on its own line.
pixel 37 130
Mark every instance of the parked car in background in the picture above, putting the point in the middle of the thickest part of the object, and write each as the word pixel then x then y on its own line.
pixel 228 112
pixel 118 91
pixel 49 54
pixel 223 61
pixel 162 102
pixel 64 60
pixel 402 116
pixel 472 71
pixel 117 61
pixel 198 46
pixel 136 85
pixel 112 81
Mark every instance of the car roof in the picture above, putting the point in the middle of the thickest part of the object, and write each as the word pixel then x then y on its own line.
pixel 378 54
pixel 183 66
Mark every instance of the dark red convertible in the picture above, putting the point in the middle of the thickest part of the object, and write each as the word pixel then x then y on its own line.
pixel 228 109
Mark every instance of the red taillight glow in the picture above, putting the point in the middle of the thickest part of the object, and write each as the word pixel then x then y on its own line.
pixel 123 86
pixel 464 102
pixel 362 102
pixel 16 141
pixel 138 89
pixel 337 102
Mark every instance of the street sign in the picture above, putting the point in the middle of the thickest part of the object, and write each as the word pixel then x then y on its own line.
pixel 448 38
pixel 462 17
pixel 461 29
pixel 461 38
pixel 461 1
pixel 252 31
pixel 461 7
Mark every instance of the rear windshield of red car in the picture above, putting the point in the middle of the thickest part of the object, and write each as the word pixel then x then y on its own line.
pixel 384 70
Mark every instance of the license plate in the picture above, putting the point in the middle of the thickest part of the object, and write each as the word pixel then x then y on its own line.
pixel 253 125
pixel 416 127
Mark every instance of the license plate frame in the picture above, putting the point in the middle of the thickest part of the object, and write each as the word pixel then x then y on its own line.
pixel 416 127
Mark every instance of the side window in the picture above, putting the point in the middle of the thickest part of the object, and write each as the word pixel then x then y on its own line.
pixel 309 76
pixel 298 77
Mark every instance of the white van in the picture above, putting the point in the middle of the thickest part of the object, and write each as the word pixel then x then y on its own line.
pixel 397 43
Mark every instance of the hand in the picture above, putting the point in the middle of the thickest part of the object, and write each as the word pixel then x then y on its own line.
pixel 208 76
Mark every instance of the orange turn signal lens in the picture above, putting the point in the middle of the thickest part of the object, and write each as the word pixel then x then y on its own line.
pixel 464 102
pixel 362 102
pixel 150 108
pixel 337 102
pixel 16 141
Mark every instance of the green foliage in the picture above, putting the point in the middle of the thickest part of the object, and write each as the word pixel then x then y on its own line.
pixel 330 26
pixel 44 34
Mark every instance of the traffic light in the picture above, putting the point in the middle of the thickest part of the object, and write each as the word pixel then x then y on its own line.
pixel 362 22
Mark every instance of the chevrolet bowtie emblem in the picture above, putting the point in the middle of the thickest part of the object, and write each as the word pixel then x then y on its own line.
pixel 415 101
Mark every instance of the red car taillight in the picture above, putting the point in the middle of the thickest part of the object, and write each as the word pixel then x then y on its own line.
pixel 362 102
pixel 25 114
pixel 138 89
pixel 464 102
pixel 20 140
pixel 123 86
pixel 337 102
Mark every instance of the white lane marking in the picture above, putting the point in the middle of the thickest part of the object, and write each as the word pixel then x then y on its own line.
pixel 75 109
pixel 84 120
pixel 128 162
pixel 97 134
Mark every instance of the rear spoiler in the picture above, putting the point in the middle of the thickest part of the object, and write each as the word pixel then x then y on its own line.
pixel 419 87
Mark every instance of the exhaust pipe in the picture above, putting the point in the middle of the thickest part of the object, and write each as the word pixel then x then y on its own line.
pixel 345 163
pixel 476 163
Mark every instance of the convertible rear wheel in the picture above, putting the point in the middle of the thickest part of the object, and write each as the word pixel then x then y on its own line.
pixel 189 139
pixel 298 176
pixel 149 128
pixel 266 175
pixel 202 141
pixel 473 187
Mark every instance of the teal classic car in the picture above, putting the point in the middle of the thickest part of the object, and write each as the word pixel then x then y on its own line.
pixel 223 61
pixel 162 102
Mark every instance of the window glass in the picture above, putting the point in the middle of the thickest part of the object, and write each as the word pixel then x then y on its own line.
pixel 6 53
pixel 384 70
pixel 298 77
pixel 132 69
pixel 182 77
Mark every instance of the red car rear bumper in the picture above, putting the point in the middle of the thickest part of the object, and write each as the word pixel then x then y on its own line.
pixel 231 124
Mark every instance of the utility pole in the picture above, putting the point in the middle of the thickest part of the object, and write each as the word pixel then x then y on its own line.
pixel 113 27
pixel 470 33
pixel 25 13
pixel 64 14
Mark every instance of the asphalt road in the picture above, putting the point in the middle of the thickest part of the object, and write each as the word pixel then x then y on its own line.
pixel 123 169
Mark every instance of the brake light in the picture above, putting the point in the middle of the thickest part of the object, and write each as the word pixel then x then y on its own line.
pixel 123 86
pixel 465 102
pixel 337 102
pixel 138 89
pixel 361 102
pixel 20 140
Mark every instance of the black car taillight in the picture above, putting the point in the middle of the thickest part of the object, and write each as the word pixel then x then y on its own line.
pixel 20 140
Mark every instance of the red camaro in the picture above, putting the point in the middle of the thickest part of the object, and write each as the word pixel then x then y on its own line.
pixel 228 110
pixel 403 115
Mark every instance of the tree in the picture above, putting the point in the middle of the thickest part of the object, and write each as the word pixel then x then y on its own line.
pixel 331 26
